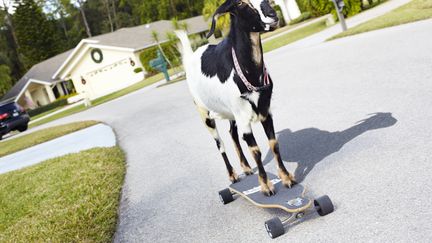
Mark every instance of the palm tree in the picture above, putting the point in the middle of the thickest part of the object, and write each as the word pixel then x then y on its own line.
pixel 155 36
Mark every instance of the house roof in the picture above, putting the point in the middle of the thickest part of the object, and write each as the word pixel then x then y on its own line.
pixel 136 38
pixel 140 37
pixel 41 72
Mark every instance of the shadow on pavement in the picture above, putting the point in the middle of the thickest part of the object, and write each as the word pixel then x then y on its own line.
pixel 309 146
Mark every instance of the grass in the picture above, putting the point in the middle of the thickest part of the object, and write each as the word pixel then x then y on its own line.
pixel 68 199
pixel 106 98
pixel 413 11
pixel 38 137
pixel 47 112
pixel 294 36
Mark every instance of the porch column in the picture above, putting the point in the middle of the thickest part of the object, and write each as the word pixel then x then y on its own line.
pixel 293 9
pixel 50 93
pixel 60 89
pixel 284 9
pixel 29 100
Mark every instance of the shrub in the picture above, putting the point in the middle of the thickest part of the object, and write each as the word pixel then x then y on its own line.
pixel 304 16
pixel 138 70
pixel 42 109
pixel 352 7
pixel 322 7
pixel 315 7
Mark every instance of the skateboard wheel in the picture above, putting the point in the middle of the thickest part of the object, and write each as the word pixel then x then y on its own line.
pixel 323 205
pixel 226 196
pixel 274 227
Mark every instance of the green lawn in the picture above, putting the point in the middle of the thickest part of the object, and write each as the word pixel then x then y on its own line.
pixel 74 198
pixel 46 113
pixel 101 100
pixel 38 137
pixel 414 11
pixel 294 36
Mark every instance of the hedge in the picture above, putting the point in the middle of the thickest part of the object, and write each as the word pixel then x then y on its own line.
pixel 45 108
pixel 322 7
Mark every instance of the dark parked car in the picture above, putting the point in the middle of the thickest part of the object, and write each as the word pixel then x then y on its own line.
pixel 12 117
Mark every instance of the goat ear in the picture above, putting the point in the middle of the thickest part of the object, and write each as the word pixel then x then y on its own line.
pixel 224 8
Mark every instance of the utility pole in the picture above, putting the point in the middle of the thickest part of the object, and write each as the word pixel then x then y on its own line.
pixel 339 5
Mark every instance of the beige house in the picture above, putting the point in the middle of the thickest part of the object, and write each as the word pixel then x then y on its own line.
pixel 96 66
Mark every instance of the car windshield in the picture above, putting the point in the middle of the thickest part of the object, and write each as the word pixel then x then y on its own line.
pixel 7 108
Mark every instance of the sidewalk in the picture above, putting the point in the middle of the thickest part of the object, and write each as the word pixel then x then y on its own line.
pixel 56 112
pixel 299 26
pixel 96 136
pixel 360 18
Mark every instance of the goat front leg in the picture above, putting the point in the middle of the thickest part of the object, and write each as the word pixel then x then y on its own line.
pixel 211 126
pixel 286 177
pixel 266 186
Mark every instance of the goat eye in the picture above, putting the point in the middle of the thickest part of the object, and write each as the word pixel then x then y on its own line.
pixel 239 3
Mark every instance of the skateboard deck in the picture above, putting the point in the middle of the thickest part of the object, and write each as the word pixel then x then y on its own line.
pixel 291 199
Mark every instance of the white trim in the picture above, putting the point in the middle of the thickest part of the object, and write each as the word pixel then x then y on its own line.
pixel 82 52
pixel 26 86
pixel 112 47
pixel 82 42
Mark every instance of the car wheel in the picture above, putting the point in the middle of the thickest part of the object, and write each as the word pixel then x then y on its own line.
pixel 23 128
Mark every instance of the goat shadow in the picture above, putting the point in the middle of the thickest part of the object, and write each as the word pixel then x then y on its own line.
pixel 309 146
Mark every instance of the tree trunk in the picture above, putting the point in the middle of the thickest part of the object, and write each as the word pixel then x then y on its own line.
pixel 173 8
pixel 116 20
pixel 109 14
pixel 86 25
pixel 20 63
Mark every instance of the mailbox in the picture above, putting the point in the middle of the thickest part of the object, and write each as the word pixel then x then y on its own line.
pixel 160 64
pixel 340 4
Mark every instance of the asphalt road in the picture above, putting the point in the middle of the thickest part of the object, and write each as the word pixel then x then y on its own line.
pixel 376 171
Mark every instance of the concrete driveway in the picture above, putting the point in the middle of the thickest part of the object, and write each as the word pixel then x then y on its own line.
pixel 377 171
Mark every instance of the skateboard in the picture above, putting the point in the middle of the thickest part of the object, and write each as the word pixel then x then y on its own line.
pixel 291 200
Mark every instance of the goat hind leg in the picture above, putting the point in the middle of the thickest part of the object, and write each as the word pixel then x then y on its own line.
pixel 243 161
pixel 211 126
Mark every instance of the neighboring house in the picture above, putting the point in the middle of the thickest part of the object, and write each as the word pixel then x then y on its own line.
pixel 290 9
pixel 97 66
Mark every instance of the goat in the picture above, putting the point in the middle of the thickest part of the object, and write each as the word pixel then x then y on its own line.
pixel 230 81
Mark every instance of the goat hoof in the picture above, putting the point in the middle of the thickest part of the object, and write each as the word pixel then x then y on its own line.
pixel 287 179
pixel 268 189
pixel 248 171
pixel 234 178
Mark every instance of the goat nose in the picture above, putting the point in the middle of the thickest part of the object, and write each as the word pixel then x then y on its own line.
pixel 272 14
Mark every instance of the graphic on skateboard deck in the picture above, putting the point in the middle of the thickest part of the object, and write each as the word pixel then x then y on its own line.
pixel 292 200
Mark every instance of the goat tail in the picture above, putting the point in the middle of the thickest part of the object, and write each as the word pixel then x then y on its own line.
pixel 186 44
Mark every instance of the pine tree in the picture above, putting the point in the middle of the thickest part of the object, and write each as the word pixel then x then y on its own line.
pixel 38 37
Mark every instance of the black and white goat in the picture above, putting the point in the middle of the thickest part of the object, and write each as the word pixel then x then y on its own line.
pixel 230 81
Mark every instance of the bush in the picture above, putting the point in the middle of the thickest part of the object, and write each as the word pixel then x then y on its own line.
pixel 151 53
pixel 352 7
pixel 138 70
pixel 322 7
pixel 304 16
pixel 315 7
pixel 42 109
